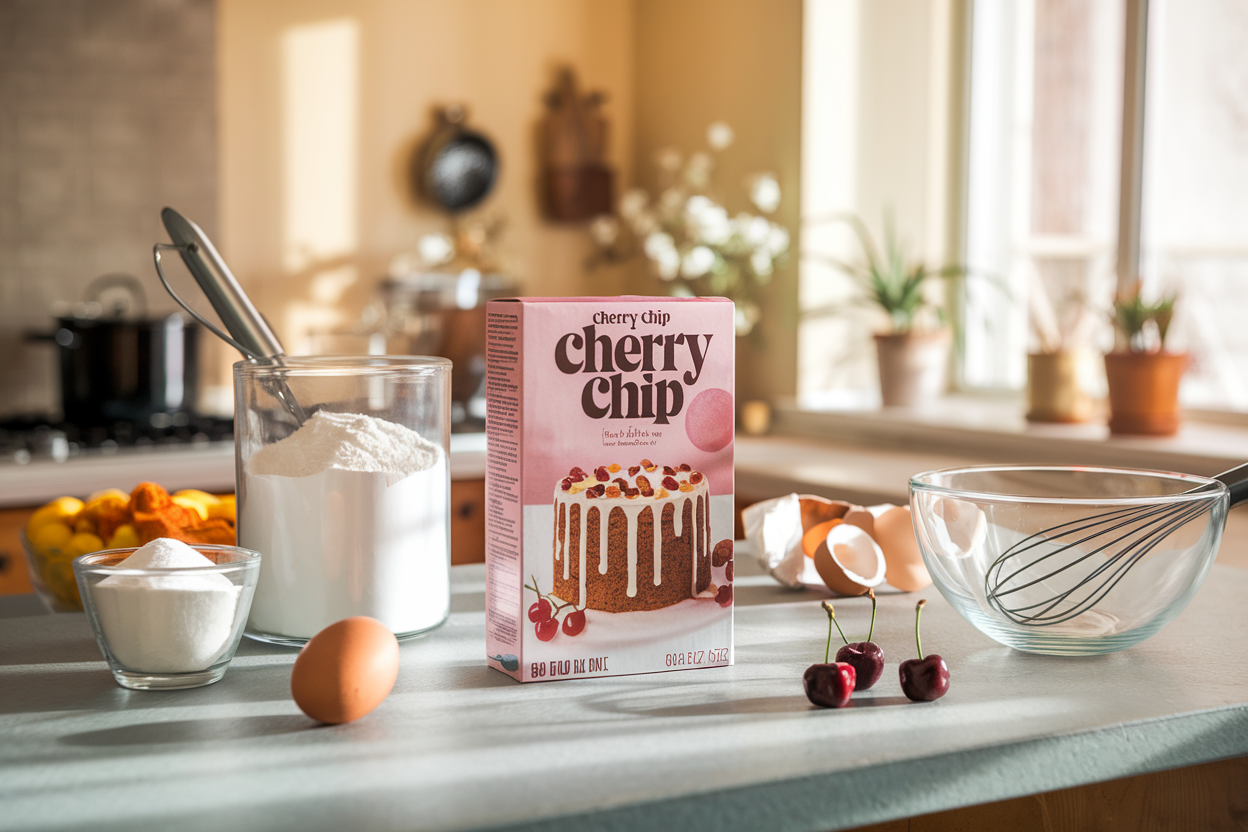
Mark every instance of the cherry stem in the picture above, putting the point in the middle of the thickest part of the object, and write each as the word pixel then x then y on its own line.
pixel 871 632
pixel 918 610
pixel 832 620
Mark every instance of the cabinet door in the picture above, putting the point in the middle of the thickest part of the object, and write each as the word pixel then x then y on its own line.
pixel 14 577
pixel 467 521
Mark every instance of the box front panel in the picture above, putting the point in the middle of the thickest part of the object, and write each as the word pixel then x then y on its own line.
pixel 627 485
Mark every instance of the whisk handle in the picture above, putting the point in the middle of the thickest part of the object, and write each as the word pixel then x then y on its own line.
pixel 1236 481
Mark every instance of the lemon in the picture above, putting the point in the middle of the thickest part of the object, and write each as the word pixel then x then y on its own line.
pixel 60 510
pixel 83 543
pixel 124 538
pixel 225 508
pixel 192 504
pixel 110 493
pixel 50 537
pixel 201 496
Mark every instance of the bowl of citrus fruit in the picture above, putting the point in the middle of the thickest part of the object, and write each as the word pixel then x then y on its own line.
pixel 69 527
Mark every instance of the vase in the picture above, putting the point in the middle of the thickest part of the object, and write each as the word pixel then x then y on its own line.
pixel 1144 392
pixel 913 366
pixel 1055 388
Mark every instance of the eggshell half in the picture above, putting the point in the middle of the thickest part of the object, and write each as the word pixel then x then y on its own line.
pixel 345 670
pixel 862 518
pixel 895 534
pixel 816 510
pixel 812 539
pixel 849 561
pixel 958 526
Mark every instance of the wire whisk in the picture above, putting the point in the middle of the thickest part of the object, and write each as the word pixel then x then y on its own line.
pixel 1069 568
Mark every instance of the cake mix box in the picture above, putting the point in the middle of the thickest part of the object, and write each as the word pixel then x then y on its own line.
pixel 609 512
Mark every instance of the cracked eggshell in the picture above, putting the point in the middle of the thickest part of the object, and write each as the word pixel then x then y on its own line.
pixel 958 526
pixel 816 510
pixel 849 561
pixel 812 539
pixel 862 518
pixel 895 533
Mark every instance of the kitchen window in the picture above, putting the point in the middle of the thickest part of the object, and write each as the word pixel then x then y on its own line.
pixel 1015 168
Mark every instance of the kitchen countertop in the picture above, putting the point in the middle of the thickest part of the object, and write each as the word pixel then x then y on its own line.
pixel 208 466
pixel 460 746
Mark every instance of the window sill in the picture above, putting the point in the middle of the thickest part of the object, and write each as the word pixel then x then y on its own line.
pixel 984 429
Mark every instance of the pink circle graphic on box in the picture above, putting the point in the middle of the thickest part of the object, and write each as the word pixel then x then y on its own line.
pixel 708 422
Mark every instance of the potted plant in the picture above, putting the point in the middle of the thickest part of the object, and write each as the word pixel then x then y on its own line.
pixel 1058 370
pixel 1143 376
pixel 913 352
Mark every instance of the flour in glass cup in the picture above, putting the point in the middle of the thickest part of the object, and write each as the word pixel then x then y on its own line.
pixel 350 514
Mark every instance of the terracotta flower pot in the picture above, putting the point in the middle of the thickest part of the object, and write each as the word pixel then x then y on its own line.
pixel 1054 387
pixel 1144 391
pixel 913 366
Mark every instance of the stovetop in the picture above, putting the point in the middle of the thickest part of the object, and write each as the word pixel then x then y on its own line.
pixel 29 439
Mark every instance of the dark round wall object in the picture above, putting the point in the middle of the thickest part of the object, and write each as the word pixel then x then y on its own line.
pixel 462 173
pixel 457 167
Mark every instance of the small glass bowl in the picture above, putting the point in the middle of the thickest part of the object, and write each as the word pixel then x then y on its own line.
pixel 166 629
pixel 1067 560
pixel 52 576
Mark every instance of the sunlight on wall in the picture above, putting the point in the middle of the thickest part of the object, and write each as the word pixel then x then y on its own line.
pixel 320 97
pixel 830 109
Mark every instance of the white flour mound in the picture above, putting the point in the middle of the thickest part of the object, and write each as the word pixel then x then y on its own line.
pixel 166 623
pixel 351 515
pixel 348 442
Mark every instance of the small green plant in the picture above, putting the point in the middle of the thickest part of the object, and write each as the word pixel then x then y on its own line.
pixel 892 282
pixel 1141 326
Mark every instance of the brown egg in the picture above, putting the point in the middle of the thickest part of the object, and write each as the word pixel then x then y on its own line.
pixel 345 670
pixel 895 534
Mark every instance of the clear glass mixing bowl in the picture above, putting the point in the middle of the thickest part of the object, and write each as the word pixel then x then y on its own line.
pixel 1072 561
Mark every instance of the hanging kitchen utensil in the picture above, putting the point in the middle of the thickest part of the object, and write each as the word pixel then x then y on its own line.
pixel 576 180
pixel 249 333
pixel 456 168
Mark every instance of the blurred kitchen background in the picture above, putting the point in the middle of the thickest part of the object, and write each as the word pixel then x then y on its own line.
pixel 989 135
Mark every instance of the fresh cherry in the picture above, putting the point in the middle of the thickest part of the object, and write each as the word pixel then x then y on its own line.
pixel 723 596
pixel 866 656
pixel 830 684
pixel 923 680
pixel 540 611
pixel 548 629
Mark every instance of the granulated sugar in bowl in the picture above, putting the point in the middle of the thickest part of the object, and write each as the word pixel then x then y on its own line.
pixel 167 615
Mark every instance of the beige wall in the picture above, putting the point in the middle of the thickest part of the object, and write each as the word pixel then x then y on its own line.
pixel 669 68
pixel 496 57
pixel 737 61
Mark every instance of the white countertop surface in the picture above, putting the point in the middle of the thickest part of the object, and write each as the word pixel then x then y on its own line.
pixel 459 746
pixel 208 466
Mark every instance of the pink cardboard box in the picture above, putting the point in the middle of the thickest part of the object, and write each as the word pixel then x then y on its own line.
pixel 609 512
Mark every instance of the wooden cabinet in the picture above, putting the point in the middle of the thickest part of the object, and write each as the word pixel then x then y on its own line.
pixel 467 521
pixel 14 576
pixel 467 535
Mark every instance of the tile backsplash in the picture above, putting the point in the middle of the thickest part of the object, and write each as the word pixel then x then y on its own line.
pixel 107 113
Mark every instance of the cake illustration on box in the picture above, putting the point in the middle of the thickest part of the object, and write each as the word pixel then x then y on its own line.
pixel 634 539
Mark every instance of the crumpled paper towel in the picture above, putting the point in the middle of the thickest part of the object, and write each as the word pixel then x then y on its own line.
pixel 774 529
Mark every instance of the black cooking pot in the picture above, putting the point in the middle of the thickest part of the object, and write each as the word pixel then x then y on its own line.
pixel 122 365
pixel 140 371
